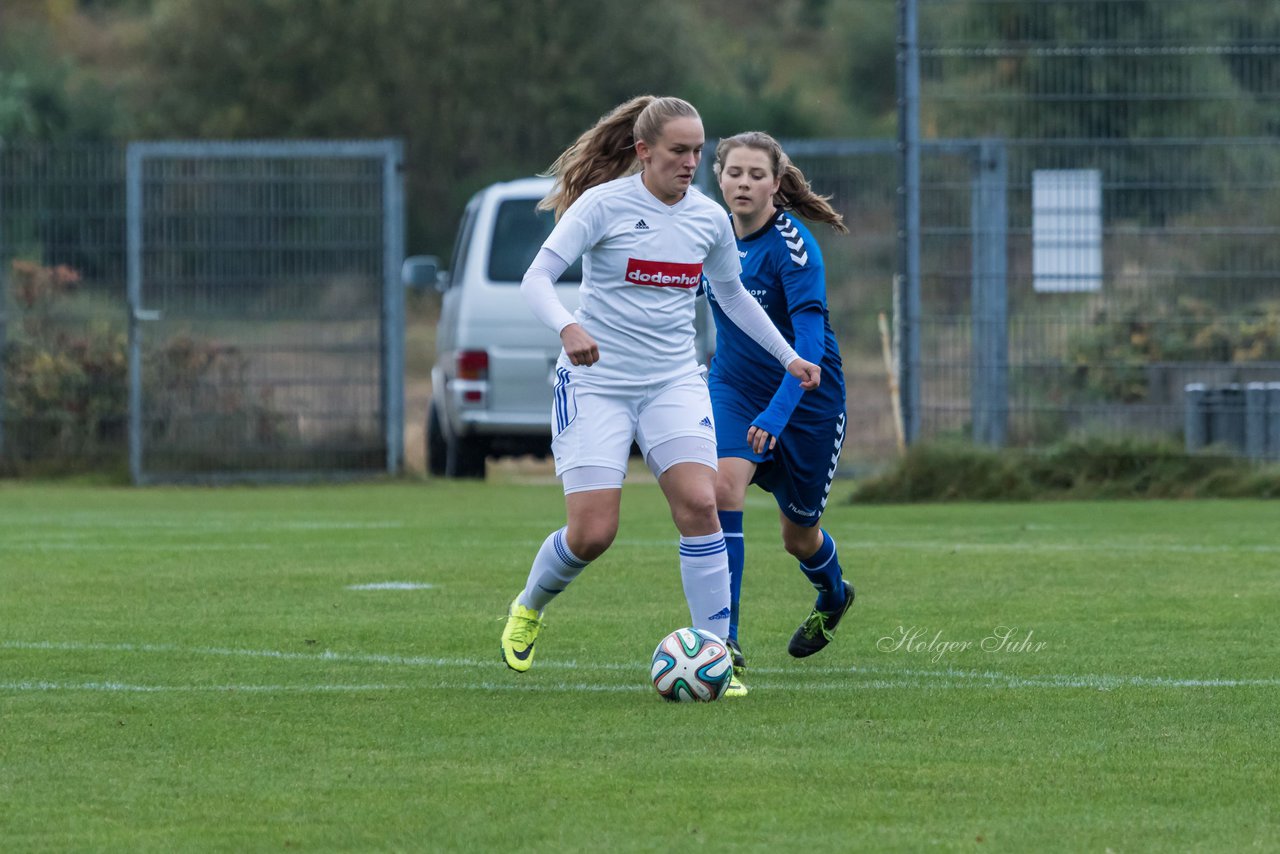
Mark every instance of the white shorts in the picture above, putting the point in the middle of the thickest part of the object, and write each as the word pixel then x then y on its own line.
pixel 595 426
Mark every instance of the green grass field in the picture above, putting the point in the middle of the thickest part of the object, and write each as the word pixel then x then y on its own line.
pixel 191 669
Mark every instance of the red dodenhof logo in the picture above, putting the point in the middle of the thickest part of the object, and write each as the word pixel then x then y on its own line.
pixel 663 274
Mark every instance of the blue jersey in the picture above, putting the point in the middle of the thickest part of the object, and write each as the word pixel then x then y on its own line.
pixel 782 268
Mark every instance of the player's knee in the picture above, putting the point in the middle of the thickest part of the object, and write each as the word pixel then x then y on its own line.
pixel 589 541
pixel 727 494
pixel 794 548
pixel 696 512
pixel 801 543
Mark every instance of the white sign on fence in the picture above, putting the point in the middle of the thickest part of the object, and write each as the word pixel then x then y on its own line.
pixel 1066 230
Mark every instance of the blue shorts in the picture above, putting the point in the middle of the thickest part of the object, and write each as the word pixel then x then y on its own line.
pixel 799 470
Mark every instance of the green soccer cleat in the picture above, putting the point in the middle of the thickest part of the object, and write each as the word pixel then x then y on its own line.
pixel 816 631
pixel 518 636
pixel 735 689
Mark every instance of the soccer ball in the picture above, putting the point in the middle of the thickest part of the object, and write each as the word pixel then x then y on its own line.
pixel 691 665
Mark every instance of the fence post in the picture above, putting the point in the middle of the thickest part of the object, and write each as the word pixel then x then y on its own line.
pixel 1273 422
pixel 1255 421
pixel 705 177
pixel 133 263
pixel 4 320
pixel 907 304
pixel 4 342
pixel 393 304
pixel 1194 420
pixel 989 224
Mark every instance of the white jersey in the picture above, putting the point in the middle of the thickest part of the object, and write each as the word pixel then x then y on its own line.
pixel 642 263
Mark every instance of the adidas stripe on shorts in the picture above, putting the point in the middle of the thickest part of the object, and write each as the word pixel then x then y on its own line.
pixel 594 425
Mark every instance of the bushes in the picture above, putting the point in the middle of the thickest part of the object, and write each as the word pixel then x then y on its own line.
pixel 66 383
pixel 66 376
pixel 1086 469
pixel 1109 360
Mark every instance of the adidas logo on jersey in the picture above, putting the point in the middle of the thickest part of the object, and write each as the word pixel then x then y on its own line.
pixel 705 422
pixel 642 226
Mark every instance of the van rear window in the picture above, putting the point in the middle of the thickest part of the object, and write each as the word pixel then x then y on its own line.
pixel 518 233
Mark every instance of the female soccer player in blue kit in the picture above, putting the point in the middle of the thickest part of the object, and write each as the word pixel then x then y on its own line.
pixel 769 431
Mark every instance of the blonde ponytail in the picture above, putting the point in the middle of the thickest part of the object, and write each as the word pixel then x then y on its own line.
pixel 608 149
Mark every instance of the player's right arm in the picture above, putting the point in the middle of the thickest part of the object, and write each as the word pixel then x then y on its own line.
pixel 539 291
pixel 573 234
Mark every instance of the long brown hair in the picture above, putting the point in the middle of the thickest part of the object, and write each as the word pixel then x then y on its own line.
pixel 794 192
pixel 608 149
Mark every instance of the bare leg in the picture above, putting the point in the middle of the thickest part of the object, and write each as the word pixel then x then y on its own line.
pixel 800 542
pixel 593 521
pixel 690 489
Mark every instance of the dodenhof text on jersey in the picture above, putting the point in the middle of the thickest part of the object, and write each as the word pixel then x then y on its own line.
pixel 663 274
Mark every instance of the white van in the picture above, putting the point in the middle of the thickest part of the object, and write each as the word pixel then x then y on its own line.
pixel 491 382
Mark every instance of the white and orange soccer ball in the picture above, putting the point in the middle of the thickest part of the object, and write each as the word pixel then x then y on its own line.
pixel 691 665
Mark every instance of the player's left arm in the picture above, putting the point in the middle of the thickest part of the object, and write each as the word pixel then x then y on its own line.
pixel 811 345
pixel 805 284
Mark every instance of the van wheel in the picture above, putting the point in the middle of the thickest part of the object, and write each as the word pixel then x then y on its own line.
pixel 464 457
pixel 435 442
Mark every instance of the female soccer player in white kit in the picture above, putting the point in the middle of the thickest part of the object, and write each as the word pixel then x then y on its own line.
pixel 628 369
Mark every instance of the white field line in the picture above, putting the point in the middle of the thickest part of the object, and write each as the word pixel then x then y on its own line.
pixel 124 688
pixel 1091 547
pixel 883 677
pixel 92 524
pixel 80 546
pixel 70 537
pixel 392 585
pixel 436 685
pixel 1102 547
pixel 72 541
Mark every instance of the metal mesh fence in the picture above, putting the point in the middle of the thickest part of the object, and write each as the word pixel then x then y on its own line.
pixel 63 374
pixel 201 310
pixel 1098 250
pixel 1141 154
pixel 264 267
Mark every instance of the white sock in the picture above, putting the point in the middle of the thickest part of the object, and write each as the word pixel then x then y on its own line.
pixel 553 568
pixel 704 569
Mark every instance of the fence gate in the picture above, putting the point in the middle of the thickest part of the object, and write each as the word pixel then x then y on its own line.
pixel 266 315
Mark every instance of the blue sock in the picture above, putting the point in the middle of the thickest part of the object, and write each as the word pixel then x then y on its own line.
pixel 822 568
pixel 731 524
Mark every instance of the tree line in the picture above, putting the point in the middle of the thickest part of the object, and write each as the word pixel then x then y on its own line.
pixel 478 91
pixel 484 91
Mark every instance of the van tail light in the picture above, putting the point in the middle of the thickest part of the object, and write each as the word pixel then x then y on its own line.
pixel 473 365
